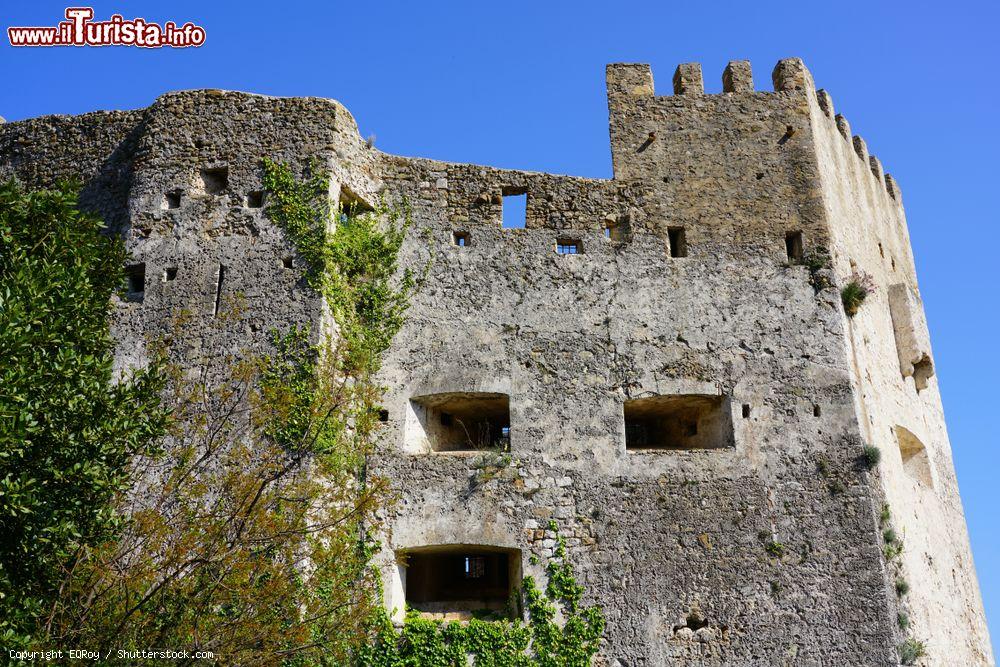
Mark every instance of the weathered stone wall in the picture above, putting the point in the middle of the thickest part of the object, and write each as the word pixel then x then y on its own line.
pixel 657 535
pixel 865 209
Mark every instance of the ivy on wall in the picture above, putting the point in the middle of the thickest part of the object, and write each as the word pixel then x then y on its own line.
pixel 354 267
pixel 542 641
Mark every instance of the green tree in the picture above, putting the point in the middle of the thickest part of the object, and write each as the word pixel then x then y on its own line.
pixel 68 427
pixel 251 537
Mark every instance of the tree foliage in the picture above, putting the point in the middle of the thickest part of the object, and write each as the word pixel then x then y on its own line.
pixel 250 534
pixel 68 429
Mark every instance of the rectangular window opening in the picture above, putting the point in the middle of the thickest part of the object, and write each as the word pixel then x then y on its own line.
pixel 456 422
pixel 793 247
pixel 170 274
pixel 515 208
pixel 255 199
pixel 461 582
pixel 678 242
pixel 678 422
pixel 460 239
pixel 136 274
pixel 569 246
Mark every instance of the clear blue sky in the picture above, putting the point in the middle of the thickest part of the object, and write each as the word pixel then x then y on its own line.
pixel 521 84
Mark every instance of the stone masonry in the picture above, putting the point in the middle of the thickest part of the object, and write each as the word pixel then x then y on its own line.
pixel 759 545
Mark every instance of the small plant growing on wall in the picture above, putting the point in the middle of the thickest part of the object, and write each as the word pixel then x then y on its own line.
pixel 911 650
pixel 854 293
pixel 817 260
pixel 871 456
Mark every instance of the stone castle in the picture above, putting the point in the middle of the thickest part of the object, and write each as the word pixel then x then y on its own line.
pixel 677 382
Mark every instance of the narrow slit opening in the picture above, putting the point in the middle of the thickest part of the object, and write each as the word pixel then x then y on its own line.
pixel 218 289
pixel 678 242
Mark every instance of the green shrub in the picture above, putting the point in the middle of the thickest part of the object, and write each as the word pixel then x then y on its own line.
pixel 776 549
pixel 911 650
pixel 68 428
pixel 856 291
pixel 871 456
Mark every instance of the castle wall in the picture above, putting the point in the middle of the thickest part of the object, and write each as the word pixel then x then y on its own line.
pixel 656 535
pixel 865 210
pixel 773 543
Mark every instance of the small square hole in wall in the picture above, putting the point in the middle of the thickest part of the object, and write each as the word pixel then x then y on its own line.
pixel 569 246
pixel 616 231
pixel 215 180
pixel 172 199
pixel 255 199
pixel 136 274
pixel 793 247
pixel 515 208
pixel 287 261
pixel 460 238
pixel 678 242
pixel 383 416
pixel 170 274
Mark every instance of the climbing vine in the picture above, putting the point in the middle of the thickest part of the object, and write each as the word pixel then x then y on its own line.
pixel 541 641
pixel 354 267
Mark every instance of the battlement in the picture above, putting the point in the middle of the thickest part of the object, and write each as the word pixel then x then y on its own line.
pixel 631 85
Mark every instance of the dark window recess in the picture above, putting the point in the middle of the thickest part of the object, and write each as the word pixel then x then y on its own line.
pixel 460 238
pixel 215 180
pixel 136 274
pixel 687 421
pixel 383 416
pixel 746 411
pixel 793 247
pixel 463 421
pixel 461 582
pixel 287 261
pixel 172 199
pixel 569 247
pixel 816 411
pixel 678 242
pixel 255 199
pixel 170 274
pixel 515 207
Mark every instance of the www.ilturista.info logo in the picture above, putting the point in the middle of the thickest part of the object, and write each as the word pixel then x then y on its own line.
pixel 80 30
